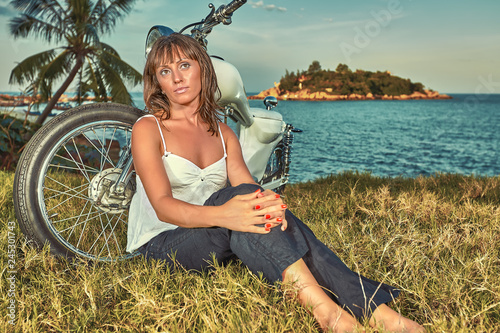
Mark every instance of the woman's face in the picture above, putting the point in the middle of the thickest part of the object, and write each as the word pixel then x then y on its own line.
pixel 180 80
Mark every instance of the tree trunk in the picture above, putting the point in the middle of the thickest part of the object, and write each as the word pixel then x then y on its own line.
pixel 60 91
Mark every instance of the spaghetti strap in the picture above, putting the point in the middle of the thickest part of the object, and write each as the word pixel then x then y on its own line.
pixel 223 144
pixel 161 134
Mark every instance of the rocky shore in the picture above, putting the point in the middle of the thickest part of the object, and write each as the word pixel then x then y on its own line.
pixel 306 95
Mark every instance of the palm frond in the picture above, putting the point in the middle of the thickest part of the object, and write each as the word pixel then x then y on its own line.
pixel 57 67
pixel 51 72
pixel 116 87
pixel 127 72
pixel 25 25
pixel 26 70
pixel 93 80
pixel 78 11
pixel 83 87
pixel 44 90
pixel 50 10
pixel 109 49
pixel 20 5
pixel 91 34
pixel 99 7
pixel 107 16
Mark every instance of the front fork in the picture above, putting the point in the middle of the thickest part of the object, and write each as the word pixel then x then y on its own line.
pixel 127 169
pixel 112 189
pixel 287 154
pixel 278 166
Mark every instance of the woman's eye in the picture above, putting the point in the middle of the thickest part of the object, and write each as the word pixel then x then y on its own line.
pixel 185 65
pixel 164 72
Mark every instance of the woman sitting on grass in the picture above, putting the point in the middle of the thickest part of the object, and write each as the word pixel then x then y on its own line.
pixel 183 210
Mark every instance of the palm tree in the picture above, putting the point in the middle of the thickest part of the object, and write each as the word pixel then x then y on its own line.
pixel 79 25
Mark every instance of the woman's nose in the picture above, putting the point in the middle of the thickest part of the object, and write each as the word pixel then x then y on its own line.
pixel 177 76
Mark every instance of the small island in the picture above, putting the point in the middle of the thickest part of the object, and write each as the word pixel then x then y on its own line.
pixel 317 84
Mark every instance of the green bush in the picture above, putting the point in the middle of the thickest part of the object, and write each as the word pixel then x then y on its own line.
pixel 14 134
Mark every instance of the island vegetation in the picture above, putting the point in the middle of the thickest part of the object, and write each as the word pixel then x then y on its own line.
pixel 345 84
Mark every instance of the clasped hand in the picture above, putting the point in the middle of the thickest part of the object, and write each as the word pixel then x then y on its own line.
pixel 256 212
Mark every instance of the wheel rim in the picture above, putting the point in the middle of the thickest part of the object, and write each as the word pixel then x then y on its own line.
pixel 67 192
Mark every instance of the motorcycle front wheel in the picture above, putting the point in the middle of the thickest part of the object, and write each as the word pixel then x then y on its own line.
pixel 63 178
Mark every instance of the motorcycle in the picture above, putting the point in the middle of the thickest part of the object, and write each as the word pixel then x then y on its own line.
pixel 75 179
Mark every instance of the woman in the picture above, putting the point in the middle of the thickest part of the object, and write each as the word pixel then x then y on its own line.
pixel 183 211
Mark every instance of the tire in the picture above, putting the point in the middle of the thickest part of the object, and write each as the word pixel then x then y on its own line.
pixel 60 174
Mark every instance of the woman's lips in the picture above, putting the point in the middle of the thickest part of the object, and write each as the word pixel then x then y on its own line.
pixel 180 90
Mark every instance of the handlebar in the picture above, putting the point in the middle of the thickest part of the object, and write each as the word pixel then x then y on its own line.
pixel 221 15
pixel 232 6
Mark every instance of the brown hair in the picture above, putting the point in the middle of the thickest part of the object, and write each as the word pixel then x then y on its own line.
pixel 165 50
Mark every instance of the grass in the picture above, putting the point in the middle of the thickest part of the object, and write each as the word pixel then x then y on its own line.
pixel 436 238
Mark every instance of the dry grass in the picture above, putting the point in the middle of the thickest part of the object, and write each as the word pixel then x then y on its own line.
pixel 436 238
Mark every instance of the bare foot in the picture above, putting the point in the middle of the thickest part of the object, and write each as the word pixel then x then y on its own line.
pixel 392 321
pixel 332 318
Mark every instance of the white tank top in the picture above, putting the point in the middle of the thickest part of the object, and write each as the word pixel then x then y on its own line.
pixel 189 183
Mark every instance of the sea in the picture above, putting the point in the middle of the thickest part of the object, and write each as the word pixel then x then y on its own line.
pixel 392 138
pixel 395 138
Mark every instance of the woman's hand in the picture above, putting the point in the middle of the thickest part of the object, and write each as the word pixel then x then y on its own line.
pixel 282 219
pixel 256 212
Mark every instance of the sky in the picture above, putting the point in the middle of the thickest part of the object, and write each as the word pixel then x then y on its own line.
pixel 449 46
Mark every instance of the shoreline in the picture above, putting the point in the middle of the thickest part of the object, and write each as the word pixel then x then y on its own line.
pixel 8 100
pixel 306 95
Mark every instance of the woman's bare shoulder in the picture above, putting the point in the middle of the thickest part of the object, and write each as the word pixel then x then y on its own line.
pixel 146 129
pixel 226 130
pixel 145 124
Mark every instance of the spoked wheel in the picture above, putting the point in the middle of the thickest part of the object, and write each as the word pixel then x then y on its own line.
pixel 65 183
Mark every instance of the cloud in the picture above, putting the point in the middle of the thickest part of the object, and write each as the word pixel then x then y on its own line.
pixel 272 7
pixel 257 4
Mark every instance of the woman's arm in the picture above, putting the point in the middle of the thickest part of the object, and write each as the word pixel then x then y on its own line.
pixel 238 213
pixel 238 173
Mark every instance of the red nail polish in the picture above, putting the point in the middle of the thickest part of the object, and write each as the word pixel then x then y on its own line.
pixel 267 229
pixel 283 206
pixel 257 207
pixel 257 191
pixel 279 219
pixel 268 225
pixel 268 216
pixel 278 196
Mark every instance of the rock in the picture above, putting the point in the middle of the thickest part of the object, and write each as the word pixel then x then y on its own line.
pixel 431 94
pixel 263 94
pixel 418 95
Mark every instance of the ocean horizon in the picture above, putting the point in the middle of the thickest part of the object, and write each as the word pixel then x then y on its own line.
pixel 391 138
